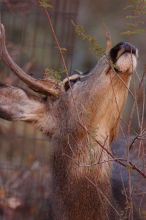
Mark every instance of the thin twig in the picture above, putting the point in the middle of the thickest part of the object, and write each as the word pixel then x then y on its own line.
pixel 128 164
pixel 56 41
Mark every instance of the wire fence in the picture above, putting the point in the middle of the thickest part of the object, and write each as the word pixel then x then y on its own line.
pixel 24 153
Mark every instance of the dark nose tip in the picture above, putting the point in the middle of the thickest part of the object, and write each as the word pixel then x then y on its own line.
pixel 129 48
pixel 121 48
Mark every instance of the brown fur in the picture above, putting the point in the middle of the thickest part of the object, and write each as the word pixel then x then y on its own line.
pixel 81 189
pixel 78 123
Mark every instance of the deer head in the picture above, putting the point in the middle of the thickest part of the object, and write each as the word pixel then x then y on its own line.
pixel 17 104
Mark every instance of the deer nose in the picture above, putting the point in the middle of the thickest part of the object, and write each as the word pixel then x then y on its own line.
pixel 129 48
pixel 120 49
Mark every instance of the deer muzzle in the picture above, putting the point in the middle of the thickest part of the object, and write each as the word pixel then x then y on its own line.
pixel 124 57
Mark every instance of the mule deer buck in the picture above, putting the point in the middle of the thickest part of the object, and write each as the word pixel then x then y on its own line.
pixel 81 120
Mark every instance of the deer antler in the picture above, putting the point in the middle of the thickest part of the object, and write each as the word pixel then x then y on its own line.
pixel 44 86
pixel 108 39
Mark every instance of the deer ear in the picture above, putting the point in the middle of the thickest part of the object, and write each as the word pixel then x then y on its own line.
pixel 16 104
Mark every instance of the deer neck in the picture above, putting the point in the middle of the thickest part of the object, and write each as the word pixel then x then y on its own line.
pixel 104 104
pixel 99 113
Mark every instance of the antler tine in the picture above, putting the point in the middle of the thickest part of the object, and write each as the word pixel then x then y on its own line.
pixel 44 86
pixel 108 39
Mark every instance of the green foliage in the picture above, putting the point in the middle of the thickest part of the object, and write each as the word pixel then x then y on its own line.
pixel 45 4
pixel 137 12
pixel 94 45
pixel 51 73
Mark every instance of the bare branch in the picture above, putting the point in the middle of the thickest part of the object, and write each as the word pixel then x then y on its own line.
pixel 44 86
